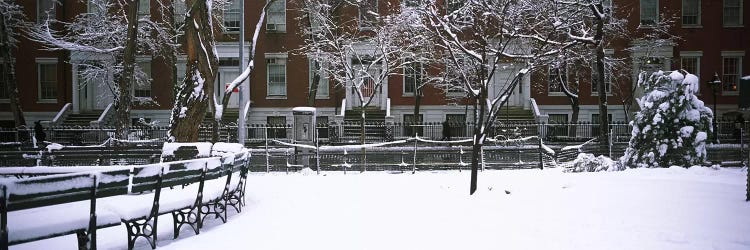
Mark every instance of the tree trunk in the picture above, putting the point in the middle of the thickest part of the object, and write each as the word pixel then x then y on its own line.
pixel 9 76
pixel 196 91
pixel 314 85
pixel 603 121
pixel 575 105
pixel 417 105
pixel 124 97
pixel 478 139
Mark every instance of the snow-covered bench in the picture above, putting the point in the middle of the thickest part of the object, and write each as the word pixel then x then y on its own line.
pixel 50 206
pixel 213 184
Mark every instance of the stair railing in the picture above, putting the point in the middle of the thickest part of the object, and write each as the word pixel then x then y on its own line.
pixel 60 117
pixel 104 118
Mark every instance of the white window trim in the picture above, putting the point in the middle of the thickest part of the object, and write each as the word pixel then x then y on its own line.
pixel 556 93
pixel 286 74
pixel 141 59
pixel 741 24
pixel 39 12
pixel 277 30
pixel 640 15
pixel 40 61
pixel 403 82
pixel 318 96
pixel 359 16
pixel 700 16
pixel 227 31
pixel 740 55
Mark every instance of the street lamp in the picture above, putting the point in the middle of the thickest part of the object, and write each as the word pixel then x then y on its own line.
pixel 715 83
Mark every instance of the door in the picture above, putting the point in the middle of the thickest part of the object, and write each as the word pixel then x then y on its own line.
pixel 368 87
pixel 93 91
pixel 503 78
pixel 226 76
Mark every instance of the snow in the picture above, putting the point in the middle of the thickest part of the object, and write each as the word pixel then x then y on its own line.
pixel 304 110
pixel 747 77
pixel 663 208
pixel 198 81
pixel 676 76
pixel 204 148
pixel 54 146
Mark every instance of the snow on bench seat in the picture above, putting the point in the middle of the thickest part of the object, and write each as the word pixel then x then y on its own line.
pixel 39 223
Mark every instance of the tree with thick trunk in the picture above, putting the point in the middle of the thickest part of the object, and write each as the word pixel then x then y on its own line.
pixel 124 98
pixel 196 93
pixel 11 19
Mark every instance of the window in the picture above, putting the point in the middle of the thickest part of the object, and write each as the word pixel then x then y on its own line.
pixel 276 126
pixel 691 12
pixel 276 21
pixel 412 78
pixel 731 69
pixel 557 77
pixel 179 13
pixel 690 61
pixel 47 81
pixel 411 3
pixel 322 126
pixel 453 5
pixel 322 91
pixel 45 9
pixel 144 9
pixel 232 17
pixel 276 74
pixel 411 125
pixel 607 80
pixel 732 13
pixel 368 13
pixel 142 86
pixel 457 123
pixel 649 12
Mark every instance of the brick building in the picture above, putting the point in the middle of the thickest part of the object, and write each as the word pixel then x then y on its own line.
pixel 715 40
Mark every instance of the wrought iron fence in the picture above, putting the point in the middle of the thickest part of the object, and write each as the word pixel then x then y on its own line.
pixel 351 132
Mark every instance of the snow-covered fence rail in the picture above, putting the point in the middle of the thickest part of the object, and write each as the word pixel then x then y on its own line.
pixel 71 201
pixel 401 155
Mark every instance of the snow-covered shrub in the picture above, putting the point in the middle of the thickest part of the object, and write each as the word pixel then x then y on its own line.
pixel 589 163
pixel 672 125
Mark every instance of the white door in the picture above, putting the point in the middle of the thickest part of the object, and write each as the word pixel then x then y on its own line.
pixel 503 78
pixel 93 91
pixel 369 89
pixel 226 76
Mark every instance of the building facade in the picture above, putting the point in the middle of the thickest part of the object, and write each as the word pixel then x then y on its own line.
pixel 714 41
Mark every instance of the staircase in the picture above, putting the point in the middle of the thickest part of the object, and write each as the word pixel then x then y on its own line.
pixel 515 115
pixel 82 119
pixel 374 122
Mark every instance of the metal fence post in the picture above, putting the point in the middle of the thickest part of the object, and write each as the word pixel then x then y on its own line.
pixel 541 159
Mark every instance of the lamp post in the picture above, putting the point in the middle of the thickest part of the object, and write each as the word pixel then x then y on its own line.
pixel 714 84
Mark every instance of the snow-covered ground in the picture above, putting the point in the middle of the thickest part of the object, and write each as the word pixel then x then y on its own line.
pixel 672 208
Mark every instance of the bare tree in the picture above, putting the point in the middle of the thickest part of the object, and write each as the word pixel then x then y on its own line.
pixel 12 20
pixel 98 37
pixel 359 57
pixel 484 37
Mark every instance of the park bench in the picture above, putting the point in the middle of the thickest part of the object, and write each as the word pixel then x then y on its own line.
pixel 67 202
pixel 120 193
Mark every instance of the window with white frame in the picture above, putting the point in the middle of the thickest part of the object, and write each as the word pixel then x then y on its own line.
pixel 144 8
pixel 142 86
pixel 276 20
pixel 232 17
pixel 649 12
pixel 690 61
pixel 732 13
pixel 276 75
pixel 731 72
pixel 413 78
pixel 47 79
pixel 368 13
pixel 607 79
pixel 45 9
pixel 410 3
pixel 691 13
pixel 322 91
pixel 557 77
pixel 453 5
